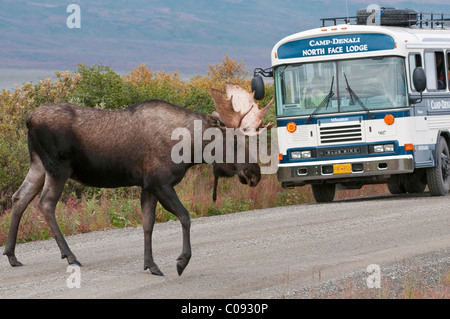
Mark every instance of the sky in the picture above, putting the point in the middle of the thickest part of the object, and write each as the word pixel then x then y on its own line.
pixel 158 32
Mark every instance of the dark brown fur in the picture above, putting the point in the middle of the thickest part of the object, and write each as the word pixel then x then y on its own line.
pixel 111 148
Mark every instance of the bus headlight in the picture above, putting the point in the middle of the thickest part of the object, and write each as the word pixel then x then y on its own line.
pixel 389 148
pixel 386 148
pixel 300 154
pixel 306 154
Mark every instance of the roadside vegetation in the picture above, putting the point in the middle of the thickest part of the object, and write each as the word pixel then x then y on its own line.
pixel 424 277
pixel 83 209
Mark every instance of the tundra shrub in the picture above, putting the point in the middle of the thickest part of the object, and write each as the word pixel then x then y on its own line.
pixel 14 108
pixel 102 87
pixel 99 86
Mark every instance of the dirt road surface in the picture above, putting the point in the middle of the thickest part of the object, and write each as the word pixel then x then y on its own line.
pixel 257 254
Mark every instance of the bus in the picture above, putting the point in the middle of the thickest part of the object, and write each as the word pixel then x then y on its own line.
pixel 365 101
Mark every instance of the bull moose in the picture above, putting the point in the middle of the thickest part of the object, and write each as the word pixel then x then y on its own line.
pixel 126 147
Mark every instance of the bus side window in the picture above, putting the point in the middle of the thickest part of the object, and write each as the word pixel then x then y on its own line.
pixel 441 75
pixel 415 61
pixel 430 70
pixel 448 68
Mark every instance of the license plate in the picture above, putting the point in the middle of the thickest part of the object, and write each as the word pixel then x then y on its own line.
pixel 342 168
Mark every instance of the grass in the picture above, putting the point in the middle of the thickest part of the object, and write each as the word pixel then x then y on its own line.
pixel 412 285
pixel 420 277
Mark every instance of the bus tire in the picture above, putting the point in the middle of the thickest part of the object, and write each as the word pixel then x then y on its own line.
pixel 417 187
pixel 390 17
pixel 323 193
pixel 396 188
pixel 438 176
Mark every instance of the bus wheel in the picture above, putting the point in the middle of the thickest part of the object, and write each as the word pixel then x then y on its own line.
pixel 323 193
pixel 438 176
pixel 416 187
pixel 396 188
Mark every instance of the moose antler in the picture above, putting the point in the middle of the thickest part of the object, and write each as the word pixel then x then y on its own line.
pixel 239 109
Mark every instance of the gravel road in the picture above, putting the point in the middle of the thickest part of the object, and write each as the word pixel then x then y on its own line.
pixel 272 253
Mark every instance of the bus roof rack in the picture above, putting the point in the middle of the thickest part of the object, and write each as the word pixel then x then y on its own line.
pixel 395 17
pixel 434 20
pixel 346 20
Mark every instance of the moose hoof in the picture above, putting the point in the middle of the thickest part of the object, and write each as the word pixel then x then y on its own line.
pixel 72 260
pixel 14 262
pixel 75 263
pixel 154 270
pixel 157 272
pixel 182 263
pixel 180 269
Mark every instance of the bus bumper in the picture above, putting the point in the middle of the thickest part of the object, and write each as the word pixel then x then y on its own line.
pixel 298 174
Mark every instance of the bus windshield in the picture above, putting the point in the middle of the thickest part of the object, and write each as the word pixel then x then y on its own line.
pixel 341 86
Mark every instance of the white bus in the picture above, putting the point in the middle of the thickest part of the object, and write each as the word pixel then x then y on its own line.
pixel 364 103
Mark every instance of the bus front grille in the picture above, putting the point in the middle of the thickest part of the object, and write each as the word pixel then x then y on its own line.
pixel 340 134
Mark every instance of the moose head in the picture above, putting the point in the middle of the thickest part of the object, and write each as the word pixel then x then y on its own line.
pixel 239 110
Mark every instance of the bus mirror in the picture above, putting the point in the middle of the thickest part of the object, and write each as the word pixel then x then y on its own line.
pixel 258 87
pixel 419 79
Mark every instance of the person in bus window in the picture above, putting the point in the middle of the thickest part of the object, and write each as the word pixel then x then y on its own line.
pixel 314 93
pixel 448 64
pixel 440 71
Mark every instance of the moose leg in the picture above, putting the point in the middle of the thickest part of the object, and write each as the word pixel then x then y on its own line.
pixel 169 199
pixel 216 180
pixel 148 204
pixel 21 199
pixel 53 188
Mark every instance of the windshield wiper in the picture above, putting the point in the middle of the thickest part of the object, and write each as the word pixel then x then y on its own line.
pixel 324 102
pixel 353 95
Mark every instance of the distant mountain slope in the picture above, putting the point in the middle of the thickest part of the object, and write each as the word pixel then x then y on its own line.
pixel 167 34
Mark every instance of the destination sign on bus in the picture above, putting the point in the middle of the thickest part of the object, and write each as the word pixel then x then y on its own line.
pixel 338 44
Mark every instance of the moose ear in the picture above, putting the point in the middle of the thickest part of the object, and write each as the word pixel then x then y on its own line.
pixel 215 121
